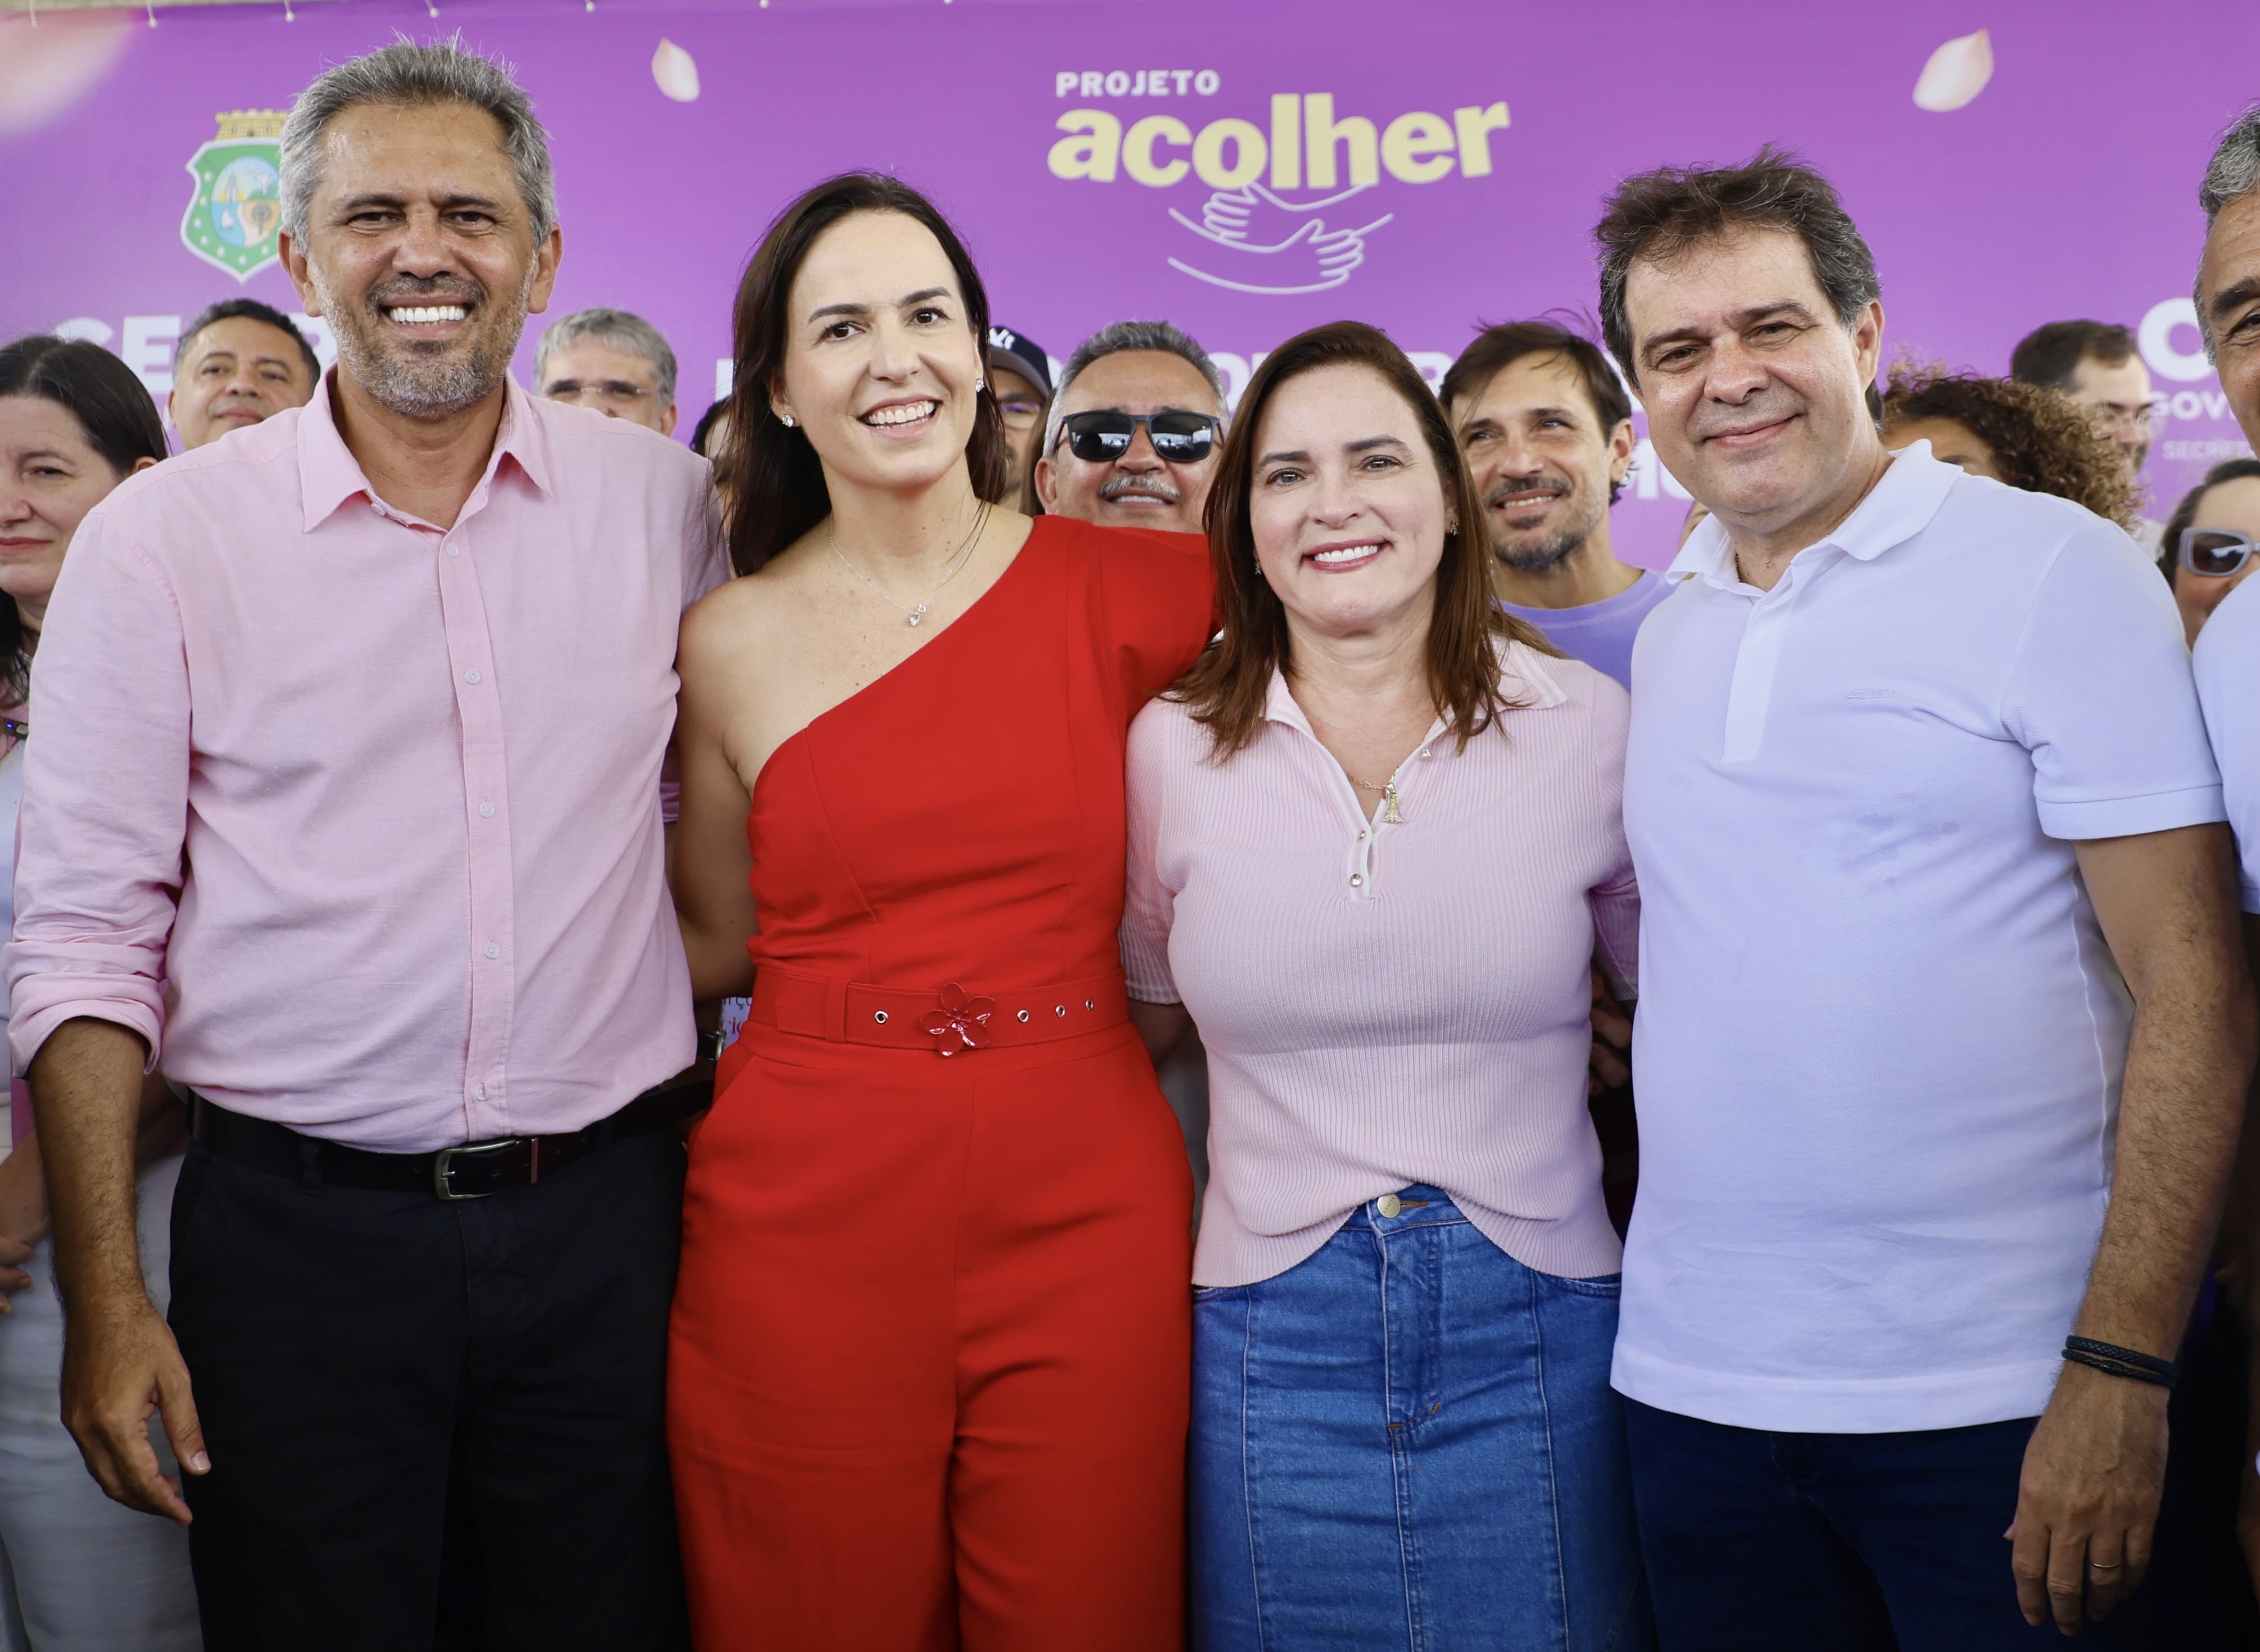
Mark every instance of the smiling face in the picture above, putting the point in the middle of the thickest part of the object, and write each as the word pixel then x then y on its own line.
pixel 1138 488
pixel 237 371
pixel 880 358
pixel 421 255
pixel 2232 505
pixel 1542 460
pixel 1756 393
pixel 2228 298
pixel 50 477
pixel 1951 442
pixel 1347 508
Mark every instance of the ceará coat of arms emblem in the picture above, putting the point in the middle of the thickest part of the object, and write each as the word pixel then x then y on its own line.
pixel 238 205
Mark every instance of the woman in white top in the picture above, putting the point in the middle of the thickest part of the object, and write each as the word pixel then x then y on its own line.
pixel 1375 848
pixel 78 1573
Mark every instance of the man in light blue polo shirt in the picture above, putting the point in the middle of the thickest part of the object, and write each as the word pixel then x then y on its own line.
pixel 1945 1029
pixel 1546 428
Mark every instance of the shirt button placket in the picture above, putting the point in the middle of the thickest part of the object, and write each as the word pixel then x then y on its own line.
pixel 469 649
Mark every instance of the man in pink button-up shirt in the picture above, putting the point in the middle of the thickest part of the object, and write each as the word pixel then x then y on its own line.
pixel 346 807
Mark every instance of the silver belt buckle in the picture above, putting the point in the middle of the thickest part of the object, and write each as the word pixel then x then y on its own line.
pixel 443 1164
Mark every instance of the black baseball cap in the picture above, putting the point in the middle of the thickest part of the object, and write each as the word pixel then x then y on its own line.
pixel 1010 352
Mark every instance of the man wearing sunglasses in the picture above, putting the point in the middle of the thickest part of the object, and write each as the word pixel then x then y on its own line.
pixel 1133 430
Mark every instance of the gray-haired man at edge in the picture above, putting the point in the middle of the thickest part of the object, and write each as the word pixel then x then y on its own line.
pixel 2227 666
pixel 349 809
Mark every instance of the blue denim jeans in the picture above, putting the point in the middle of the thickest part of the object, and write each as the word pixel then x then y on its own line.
pixel 1408 1441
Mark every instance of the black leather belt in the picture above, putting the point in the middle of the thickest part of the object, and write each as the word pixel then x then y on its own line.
pixel 472 1170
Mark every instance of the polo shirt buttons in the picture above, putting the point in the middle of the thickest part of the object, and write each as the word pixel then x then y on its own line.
pixel 487 810
pixel 478 1093
pixel 455 550
pixel 493 951
pixel 471 675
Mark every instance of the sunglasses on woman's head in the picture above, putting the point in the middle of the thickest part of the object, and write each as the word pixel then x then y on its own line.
pixel 2215 552
pixel 1104 435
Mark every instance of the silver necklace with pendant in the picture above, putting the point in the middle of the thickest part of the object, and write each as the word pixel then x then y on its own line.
pixel 914 615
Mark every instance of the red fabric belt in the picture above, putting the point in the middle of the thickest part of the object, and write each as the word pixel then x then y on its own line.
pixel 948 1020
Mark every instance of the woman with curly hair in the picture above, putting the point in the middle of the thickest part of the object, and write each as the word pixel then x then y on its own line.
pixel 2027 437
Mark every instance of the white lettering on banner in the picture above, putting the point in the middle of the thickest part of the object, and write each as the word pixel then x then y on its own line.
pixel 1145 83
pixel 1649 475
pixel 2155 337
pixel 1306 138
pixel 2205 453
pixel 149 350
pixel 1263 235
pixel 1236 370
pixel 1433 364
pixel 149 342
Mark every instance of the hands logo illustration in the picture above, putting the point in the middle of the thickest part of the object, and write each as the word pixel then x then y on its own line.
pixel 1251 222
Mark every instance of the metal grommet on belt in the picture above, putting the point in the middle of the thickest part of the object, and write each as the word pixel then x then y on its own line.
pixel 1023 1015
pixel 1059 1009
pixel 879 1015
pixel 1091 1004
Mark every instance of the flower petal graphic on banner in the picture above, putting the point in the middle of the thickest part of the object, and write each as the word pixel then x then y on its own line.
pixel 677 71
pixel 1250 219
pixel 45 68
pixel 1957 72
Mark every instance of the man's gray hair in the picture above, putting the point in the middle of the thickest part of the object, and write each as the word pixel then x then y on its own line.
pixel 2232 174
pixel 616 329
pixel 1130 335
pixel 405 76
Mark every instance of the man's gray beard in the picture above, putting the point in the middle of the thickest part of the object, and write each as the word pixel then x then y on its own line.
pixel 1555 549
pixel 412 389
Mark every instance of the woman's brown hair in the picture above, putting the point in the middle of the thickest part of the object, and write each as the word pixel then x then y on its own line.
pixel 1228 685
pixel 2040 439
pixel 770 478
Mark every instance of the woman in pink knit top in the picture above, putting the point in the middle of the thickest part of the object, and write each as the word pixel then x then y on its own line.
pixel 1374 849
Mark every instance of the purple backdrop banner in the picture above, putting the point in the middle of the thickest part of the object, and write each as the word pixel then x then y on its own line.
pixel 1244 168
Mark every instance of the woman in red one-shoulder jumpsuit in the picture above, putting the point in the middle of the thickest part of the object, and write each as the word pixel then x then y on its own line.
pixel 928 1370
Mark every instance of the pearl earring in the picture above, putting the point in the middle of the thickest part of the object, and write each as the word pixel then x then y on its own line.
pixel 980 385
pixel 788 421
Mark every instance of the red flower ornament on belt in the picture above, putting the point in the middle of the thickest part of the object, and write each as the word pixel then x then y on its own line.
pixel 960 1023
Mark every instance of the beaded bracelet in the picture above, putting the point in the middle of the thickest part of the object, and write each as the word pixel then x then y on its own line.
pixel 2120 1362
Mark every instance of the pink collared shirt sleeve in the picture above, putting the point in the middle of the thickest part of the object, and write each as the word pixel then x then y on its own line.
pixel 358 816
pixel 706 564
pixel 106 799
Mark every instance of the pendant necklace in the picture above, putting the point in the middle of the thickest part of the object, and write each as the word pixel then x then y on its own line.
pixel 1388 790
pixel 913 615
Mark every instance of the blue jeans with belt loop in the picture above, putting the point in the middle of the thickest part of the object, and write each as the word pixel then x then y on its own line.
pixel 1408 1441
